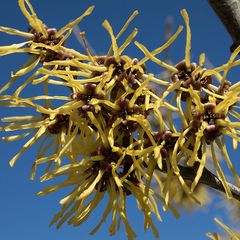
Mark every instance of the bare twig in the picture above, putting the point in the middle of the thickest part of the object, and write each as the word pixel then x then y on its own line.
pixel 229 13
pixel 208 178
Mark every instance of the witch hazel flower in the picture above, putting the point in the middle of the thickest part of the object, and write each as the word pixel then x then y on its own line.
pixel 101 136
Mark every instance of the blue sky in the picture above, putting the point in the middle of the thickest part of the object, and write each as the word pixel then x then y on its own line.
pixel 24 216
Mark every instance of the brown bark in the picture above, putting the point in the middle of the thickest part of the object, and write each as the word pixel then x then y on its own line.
pixel 208 178
pixel 229 13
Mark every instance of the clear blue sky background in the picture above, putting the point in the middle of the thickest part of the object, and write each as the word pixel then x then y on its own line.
pixel 23 216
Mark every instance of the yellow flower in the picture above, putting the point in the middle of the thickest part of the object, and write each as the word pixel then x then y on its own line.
pixel 43 43
pixel 40 126
pixel 102 138
pixel 205 110
pixel 231 234
pixel 105 172
pixel 102 132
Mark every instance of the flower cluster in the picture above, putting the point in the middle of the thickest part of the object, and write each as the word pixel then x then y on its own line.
pixel 101 135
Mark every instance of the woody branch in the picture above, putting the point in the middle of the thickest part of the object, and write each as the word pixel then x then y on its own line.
pixel 208 178
pixel 229 13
